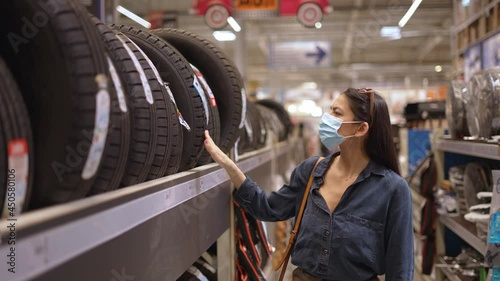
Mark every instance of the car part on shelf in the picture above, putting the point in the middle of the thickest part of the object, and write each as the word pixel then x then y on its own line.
pixel 455 109
pixel 212 112
pixel 221 75
pixel 177 72
pixel 488 112
pixel 273 122
pixel 159 100
pixel 57 58
pixel 115 158
pixel 134 83
pixel 255 134
pixel 472 105
pixel 16 148
pixel 281 112
pixel 477 178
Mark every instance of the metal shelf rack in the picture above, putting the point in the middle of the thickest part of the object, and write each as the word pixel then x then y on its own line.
pixel 478 149
pixel 452 276
pixel 466 230
pixel 150 231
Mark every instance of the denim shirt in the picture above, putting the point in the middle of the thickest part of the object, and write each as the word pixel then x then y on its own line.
pixel 369 233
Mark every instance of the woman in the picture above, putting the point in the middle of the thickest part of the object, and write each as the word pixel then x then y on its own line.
pixel 357 223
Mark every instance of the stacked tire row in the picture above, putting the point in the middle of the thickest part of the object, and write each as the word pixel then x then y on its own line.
pixel 87 108
pixel 262 117
pixel 108 106
pixel 473 108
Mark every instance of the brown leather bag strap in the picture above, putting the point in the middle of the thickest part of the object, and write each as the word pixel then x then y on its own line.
pixel 298 221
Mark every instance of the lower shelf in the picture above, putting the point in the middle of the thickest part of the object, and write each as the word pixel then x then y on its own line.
pixel 466 230
pixel 450 274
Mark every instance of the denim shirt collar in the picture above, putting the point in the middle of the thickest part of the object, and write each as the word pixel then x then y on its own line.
pixel 371 168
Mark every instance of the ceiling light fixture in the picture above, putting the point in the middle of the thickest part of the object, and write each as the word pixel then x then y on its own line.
pixel 318 25
pixel 310 85
pixel 232 22
pixel 391 32
pixel 409 13
pixel 438 68
pixel 224 35
pixel 133 17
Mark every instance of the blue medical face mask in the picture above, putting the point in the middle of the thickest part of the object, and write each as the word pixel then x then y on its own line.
pixel 328 130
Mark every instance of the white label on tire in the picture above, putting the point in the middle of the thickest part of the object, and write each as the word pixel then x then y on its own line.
pixel 201 93
pixel 249 130
pixel 153 67
pixel 17 178
pixel 118 86
pixel 244 107
pixel 142 75
pixel 179 114
pixel 100 129
pixel 208 90
pixel 236 156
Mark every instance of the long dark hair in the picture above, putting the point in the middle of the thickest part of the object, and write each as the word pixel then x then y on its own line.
pixel 379 145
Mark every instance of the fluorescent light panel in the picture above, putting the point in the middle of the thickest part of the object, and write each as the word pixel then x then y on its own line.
pixel 224 35
pixel 409 13
pixel 391 32
pixel 133 17
pixel 232 22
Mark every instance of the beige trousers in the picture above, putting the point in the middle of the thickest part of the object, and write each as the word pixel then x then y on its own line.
pixel 300 275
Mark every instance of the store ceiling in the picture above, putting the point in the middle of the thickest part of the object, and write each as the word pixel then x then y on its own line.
pixel 360 56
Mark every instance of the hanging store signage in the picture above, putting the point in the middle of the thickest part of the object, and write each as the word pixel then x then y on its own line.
pixel 256 5
pixel 303 54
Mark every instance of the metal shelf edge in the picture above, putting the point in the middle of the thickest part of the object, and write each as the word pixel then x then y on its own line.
pixel 484 150
pixel 449 274
pixel 469 237
pixel 45 251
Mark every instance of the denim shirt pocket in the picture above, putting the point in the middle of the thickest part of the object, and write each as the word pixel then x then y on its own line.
pixel 365 239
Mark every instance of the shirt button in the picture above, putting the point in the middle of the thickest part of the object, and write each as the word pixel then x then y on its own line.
pixel 327 233
pixel 325 251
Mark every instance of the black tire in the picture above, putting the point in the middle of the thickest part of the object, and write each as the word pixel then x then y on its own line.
pixel 62 71
pixel 280 111
pixel 176 71
pixel 222 76
pixel 116 157
pixel 258 128
pixel 154 164
pixel 255 133
pixel 15 133
pixel 176 136
pixel 213 121
pixel 272 121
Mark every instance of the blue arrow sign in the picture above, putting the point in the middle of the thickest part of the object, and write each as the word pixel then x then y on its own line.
pixel 320 54
pixel 302 54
